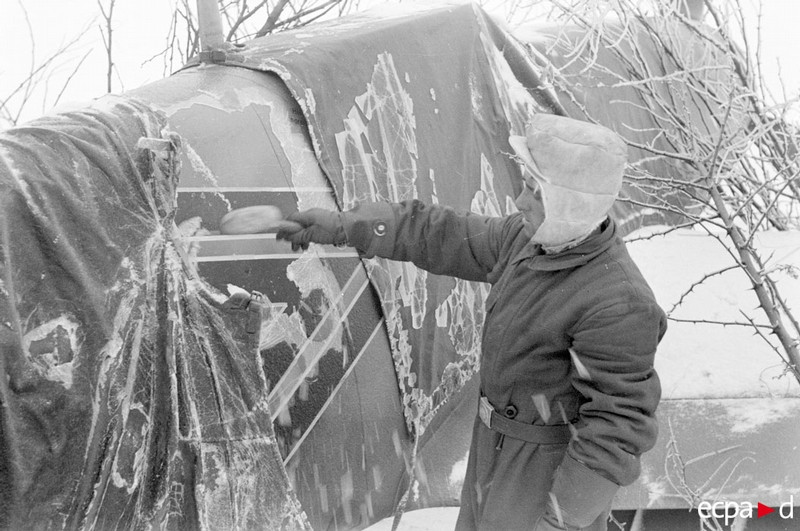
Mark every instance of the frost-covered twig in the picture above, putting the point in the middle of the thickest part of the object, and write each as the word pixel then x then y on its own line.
pixel 720 323
pixel 697 283
pixel 14 103
pixel 676 471
pixel 411 468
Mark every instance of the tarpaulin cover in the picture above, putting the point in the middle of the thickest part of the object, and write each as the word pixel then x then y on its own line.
pixel 130 396
pixel 406 104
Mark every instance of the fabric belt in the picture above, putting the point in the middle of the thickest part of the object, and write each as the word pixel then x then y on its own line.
pixel 558 434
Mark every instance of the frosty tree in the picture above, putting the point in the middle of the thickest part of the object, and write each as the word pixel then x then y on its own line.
pixel 730 144
pixel 725 138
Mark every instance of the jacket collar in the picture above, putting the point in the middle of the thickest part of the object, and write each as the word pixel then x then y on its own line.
pixel 574 257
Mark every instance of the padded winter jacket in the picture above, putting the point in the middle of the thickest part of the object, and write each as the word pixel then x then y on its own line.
pixel 567 338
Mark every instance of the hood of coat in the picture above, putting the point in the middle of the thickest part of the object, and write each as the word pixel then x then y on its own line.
pixel 579 167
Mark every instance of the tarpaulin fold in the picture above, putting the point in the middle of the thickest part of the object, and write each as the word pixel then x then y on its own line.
pixel 131 396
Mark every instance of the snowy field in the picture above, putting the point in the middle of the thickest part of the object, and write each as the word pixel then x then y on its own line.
pixel 704 360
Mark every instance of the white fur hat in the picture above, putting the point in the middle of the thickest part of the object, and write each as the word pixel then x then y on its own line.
pixel 579 167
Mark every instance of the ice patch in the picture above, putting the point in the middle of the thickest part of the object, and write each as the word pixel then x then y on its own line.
pixel 457 474
pixel 485 201
pixel 434 192
pixel 515 99
pixel 53 346
pixel 751 415
pixel 306 173
pixel 378 150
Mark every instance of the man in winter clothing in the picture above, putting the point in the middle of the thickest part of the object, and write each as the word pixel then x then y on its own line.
pixel 568 389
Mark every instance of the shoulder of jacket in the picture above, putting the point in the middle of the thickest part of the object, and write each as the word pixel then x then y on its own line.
pixel 615 276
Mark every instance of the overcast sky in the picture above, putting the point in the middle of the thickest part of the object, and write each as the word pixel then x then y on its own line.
pixel 140 33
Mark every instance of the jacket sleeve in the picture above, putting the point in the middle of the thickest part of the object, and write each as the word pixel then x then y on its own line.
pixel 435 238
pixel 612 354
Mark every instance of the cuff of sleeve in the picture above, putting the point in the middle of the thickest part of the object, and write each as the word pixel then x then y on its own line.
pixel 370 228
pixel 582 494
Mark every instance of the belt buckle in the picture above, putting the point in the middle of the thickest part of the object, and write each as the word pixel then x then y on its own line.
pixel 485 411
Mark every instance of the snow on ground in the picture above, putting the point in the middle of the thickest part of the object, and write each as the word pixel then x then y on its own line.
pixel 439 518
pixel 711 360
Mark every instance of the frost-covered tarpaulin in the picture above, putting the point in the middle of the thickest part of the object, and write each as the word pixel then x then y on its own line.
pixel 412 104
pixel 130 396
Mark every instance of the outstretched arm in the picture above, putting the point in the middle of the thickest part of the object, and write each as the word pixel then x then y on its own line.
pixel 435 238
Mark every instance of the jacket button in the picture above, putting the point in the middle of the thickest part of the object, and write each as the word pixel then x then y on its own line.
pixel 379 228
pixel 510 411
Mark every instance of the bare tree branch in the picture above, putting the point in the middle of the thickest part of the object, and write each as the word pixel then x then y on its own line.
pixel 75 70
pixel 244 15
pixel 14 103
pixel 107 35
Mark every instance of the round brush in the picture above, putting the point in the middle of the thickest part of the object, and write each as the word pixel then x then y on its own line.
pixel 255 220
